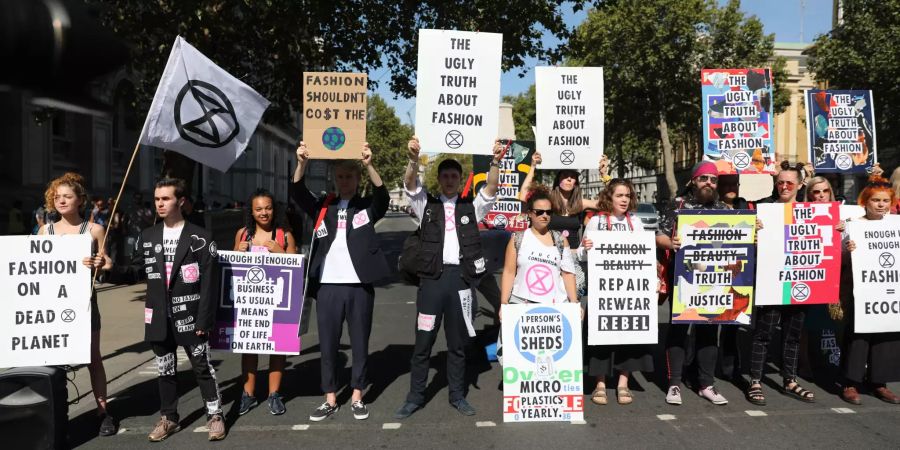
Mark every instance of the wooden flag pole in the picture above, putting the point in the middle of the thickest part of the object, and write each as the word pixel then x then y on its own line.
pixel 112 212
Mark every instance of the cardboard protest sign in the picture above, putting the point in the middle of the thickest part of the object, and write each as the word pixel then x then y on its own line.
pixel 506 213
pixel 714 267
pixel 876 275
pixel 737 120
pixel 569 129
pixel 458 91
pixel 799 254
pixel 334 114
pixel 542 366
pixel 261 303
pixel 45 314
pixel 840 127
pixel 622 283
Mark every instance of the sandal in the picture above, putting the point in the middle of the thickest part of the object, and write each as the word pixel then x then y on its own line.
pixel 623 396
pixel 755 394
pixel 599 396
pixel 798 392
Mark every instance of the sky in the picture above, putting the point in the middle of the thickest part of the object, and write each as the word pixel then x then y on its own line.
pixel 781 17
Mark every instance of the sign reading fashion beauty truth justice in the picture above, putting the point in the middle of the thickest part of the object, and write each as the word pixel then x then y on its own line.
pixel 622 284
pixel 876 275
pixel 542 366
pixel 569 125
pixel 458 91
pixel 45 312
pixel 261 303
pixel 840 128
pixel 506 213
pixel 714 267
pixel 737 120
pixel 799 254
pixel 334 114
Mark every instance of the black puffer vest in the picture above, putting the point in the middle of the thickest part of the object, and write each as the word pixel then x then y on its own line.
pixel 430 258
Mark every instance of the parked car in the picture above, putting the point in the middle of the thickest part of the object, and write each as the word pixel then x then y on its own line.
pixel 648 215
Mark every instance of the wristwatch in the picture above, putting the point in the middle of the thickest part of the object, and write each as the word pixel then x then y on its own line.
pixel 495 163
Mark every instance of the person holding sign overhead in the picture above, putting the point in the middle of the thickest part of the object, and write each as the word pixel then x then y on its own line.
pixel 451 263
pixel 262 234
pixel 66 196
pixel 345 260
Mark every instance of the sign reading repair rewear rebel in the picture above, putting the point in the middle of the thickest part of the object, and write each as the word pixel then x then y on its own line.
pixel 569 125
pixel 458 91
pixel 334 114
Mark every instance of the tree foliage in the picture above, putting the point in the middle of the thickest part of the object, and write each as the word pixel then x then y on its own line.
pixel 524 112
pixel 387 138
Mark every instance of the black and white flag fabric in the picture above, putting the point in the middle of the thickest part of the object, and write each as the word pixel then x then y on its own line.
pixel 201 111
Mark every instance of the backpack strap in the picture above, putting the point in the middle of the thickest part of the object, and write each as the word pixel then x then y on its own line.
pixel 84 227
pixel 328 199
pixel 559 241
pixel 50 227
pixel 280 238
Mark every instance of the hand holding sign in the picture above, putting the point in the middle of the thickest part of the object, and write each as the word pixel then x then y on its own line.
pixel 414 148
pixel 366 155
pixel 535 159
pixel 302 153
pixel 500 150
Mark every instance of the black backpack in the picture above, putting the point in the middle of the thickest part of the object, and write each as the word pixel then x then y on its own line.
pixel 406 263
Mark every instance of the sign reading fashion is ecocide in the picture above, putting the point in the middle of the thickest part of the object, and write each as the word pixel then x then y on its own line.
pixel 876 275
pixel 569 123
pixel 45 314
pixel 622 284
pixel 261 303
pixel 542 366
pixel 334 114
pixel 458 91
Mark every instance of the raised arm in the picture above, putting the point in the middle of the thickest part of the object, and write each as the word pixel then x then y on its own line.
pixel 493 178
pixel 380 197
pixel 301 162
pixel 412 169
pixel 535 161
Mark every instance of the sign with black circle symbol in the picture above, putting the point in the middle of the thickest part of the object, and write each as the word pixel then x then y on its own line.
pixel 453 139
pixel 256 274
pixel 800 292
pixel 500 221
pixel 741 160
pixel 886 260
pixel 567 157
pixel 67 315
pixel 843 161
pixel 204 116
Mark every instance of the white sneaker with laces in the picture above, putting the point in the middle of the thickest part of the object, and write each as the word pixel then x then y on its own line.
pixel 710 393
pixel 673 396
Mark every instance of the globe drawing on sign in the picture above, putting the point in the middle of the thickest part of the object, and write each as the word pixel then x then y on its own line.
pixel 334 138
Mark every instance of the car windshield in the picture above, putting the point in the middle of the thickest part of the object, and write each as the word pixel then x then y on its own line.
pixel 645 208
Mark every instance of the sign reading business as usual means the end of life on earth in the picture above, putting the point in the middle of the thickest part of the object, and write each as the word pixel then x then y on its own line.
pixel 458 91
pixel 876 275
pixel 569 122
pixel 334 114
pixel 45 314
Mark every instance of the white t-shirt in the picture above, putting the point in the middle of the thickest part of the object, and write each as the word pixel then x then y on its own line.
pixel 604 222
pixel 338 267
pixel 170 243
pixel 538 271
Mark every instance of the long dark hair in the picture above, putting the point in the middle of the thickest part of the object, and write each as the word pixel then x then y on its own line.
pixel 574 204
pixel 277 216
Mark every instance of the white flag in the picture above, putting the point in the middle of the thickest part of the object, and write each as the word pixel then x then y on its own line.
pixel 201 111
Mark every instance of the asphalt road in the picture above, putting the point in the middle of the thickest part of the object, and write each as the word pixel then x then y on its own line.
pixel 648 422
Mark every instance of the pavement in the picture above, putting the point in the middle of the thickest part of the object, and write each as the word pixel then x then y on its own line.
pixel 648 422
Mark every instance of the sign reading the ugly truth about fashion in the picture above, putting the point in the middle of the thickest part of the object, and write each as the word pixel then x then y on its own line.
pixel 542 367
pixel 840 127
pixel 506 213
pixel 714 267
pixel 876 275
pixel 622 282
pixel 737 120
pixel 569 124
pixel 261 303
pixel 799 254
pixel 45 311
pixel 458 91
pixel 334 114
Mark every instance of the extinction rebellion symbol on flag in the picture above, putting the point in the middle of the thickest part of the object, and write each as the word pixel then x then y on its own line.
pixel 217 125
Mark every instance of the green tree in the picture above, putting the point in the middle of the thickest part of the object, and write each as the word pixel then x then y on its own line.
pixel 387 138
pixel 862 53
pixel 524 111
pixel 431 173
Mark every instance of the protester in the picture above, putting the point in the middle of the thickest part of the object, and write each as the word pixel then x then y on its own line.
pixel 346 259
pixel 16 222
pixel 730 361
pixel 99 211
pixel 867 358
pixel 262 234
pixel 617 204
pixel 66 196
pixel 179 260
pixel 451 264
pixel 137 218
pixel 191 214
pixel 701 194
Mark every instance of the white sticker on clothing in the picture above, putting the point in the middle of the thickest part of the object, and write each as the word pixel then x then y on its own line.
pixel 361 218
pixel 322 231
pixel 425 322
pixel 190 273
pixel 465 300
pixel 148 315
pixel 479 265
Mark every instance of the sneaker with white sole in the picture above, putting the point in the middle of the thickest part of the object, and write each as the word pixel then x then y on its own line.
pixel 360 411
pixel 673 396
pixel 324 411
pixel 710 393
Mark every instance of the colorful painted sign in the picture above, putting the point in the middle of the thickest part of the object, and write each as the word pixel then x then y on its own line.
pixel 334 114
pixel 506 213
pixel 876 275
pixel 840 128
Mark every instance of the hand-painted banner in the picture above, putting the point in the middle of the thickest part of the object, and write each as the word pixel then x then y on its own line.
pixel 622 288
pixel 737 120
pixel 715 267
pixel 262 299
pixel 840 128
pixel 45 314
pixel 334 114
pixel 799 258
pixel 506 214
pixel 458 91
pixel 876 275
pixel 569 128
pixel 542 366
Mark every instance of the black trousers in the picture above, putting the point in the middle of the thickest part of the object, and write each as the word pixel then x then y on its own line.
pixel 334 304
pixel 791 319
pixel 706 351
pixel 450 299
pixel 166 365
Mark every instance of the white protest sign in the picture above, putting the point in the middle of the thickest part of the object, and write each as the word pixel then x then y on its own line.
pixel 569 131
pixel 622 287
pixel 542 366
pixel 458 91
pixel 45 311
pixel 876 275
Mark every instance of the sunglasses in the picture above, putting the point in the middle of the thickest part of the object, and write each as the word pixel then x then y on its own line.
pixel 711 178
pixel 821 191
pixel 785 183
pixel 541 212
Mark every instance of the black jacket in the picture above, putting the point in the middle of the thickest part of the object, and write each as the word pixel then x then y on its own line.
pixel 191 304
pixel 368 259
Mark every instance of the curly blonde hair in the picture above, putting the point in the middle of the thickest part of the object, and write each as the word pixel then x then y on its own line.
pixel 70 179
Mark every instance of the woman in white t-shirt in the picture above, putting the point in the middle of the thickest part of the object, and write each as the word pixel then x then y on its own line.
pixel 617 205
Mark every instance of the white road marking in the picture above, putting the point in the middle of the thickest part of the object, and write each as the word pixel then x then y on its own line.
pixel 301 427
pixel 486 423
pixel 391 426
pixel 202 429
pixel 666 417
pixel 578 422
pixel 755 413
pixel 843 410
